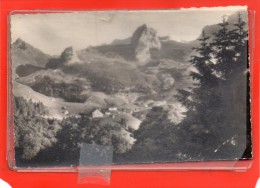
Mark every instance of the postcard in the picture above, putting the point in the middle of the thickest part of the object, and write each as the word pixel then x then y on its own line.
pixel 154 86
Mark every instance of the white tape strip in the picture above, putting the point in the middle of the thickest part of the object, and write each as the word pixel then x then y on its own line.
pixel 257 183
pixel 3 184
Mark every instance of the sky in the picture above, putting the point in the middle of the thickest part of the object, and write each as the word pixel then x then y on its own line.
pixel 53 32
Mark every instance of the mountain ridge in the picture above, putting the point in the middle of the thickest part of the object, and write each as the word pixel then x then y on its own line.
pixel 24 53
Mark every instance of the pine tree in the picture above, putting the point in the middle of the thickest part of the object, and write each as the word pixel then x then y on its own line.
pixel 198 128
pixel 216 111
pixel 206 82
pixel 204 77
pixel 154 139
pixel 240 41
pixel 230 52
pixel 240 34
pixel 202 62
pixel 224 50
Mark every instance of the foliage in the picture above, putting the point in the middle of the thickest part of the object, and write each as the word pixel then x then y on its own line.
pixel 214 124
pixel 71 92
pixel 112 76
pixel 22 107
pixel 216 116
pixel 156 139
pixel 33 132
pixel 76 130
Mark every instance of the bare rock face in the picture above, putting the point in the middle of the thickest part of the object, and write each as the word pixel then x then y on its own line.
pixel 67 54
pixel 66 57
pixel 19 43
pixel 144 39
pixel 62 60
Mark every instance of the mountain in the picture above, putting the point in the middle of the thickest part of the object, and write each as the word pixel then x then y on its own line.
pixel 68 56
pixel 112 76
pixel 232 19
pixel 27 59
pixel 142 46
pixel 123 52
pixel 144 39
pixel 140 63
pixel 121 41
pixel 164 38
pixel 137 47
pixel 173 50
pixel 74 58
pixel 27 69
pixel 24 53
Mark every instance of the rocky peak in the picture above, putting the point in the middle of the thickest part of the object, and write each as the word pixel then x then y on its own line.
pixel 19 43
pixel 67 54
pixel 143 39
pixel 138 33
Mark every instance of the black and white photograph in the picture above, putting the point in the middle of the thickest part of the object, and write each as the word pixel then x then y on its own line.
pixel 154 86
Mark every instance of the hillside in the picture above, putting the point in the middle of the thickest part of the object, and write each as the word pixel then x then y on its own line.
pixel 27 69
pixel 176 51
pixel 54 105
pixel 122 74
pixel 112 76
pixel 24 53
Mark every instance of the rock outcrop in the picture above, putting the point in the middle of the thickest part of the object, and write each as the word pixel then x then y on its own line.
pixel 144 39
pixel 69 56
pixel 19 43
pixel 24 53
pixel 66 57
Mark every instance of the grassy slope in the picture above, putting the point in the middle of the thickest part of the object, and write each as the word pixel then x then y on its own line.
pixel 173 50
pixel 54 105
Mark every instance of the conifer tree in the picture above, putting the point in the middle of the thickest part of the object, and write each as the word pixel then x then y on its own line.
pixel 230 53
pixel 201 101
pixel 240 42
pixel 224 50
pixel 216 111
